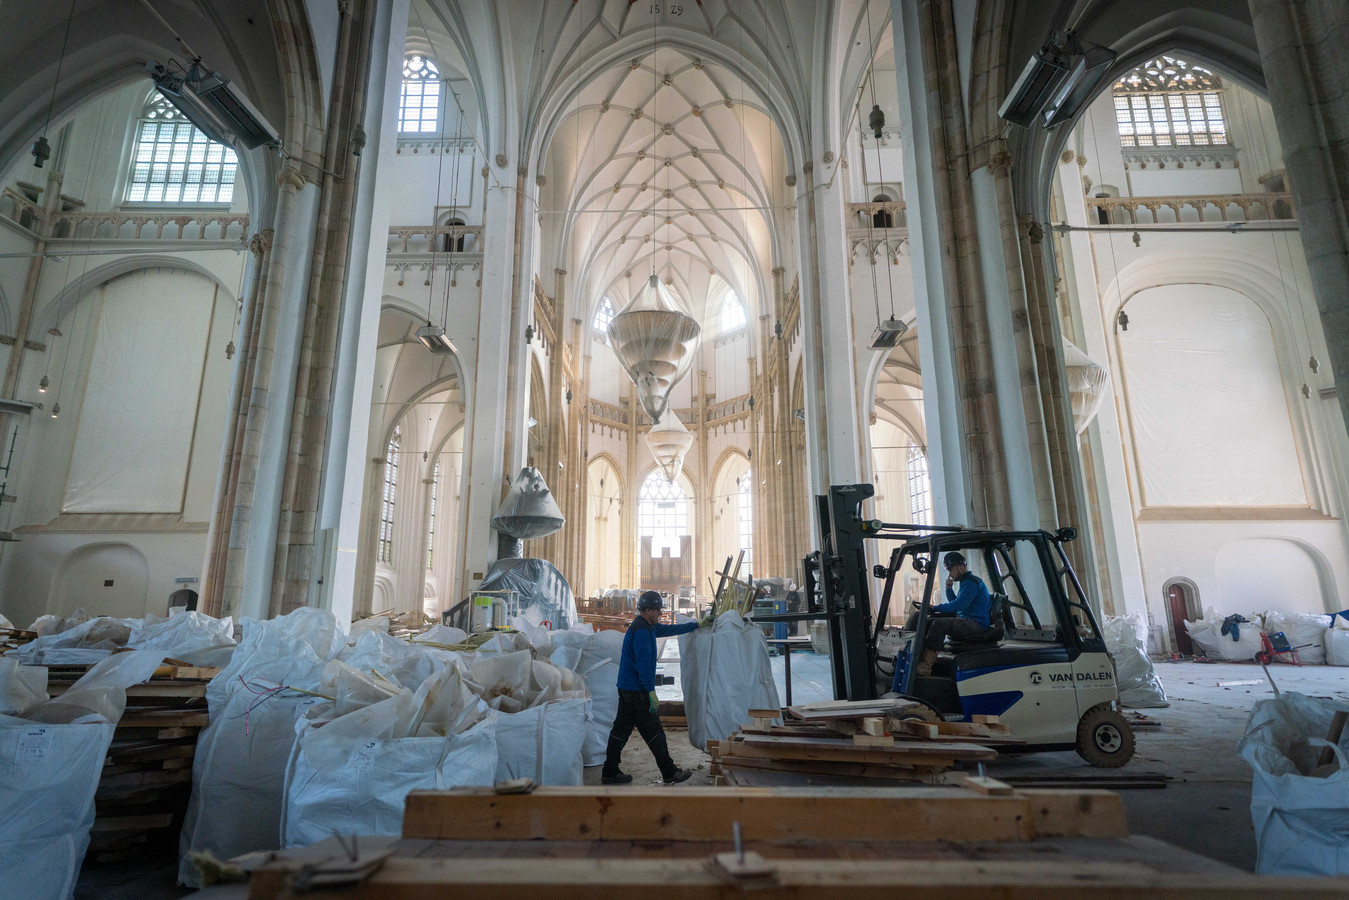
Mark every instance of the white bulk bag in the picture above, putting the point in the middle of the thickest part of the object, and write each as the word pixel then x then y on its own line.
pixel 543 742
pixel 187 635
pixel 1305 633
pixel 1336 640
pixel 1206 633
pixel 239 771
pixel 340 783
pixel 594 656
pixel 1126 638
pixel 725 672
pixel 1301 822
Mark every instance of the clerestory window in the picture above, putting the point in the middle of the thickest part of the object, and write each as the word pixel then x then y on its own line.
pixel 176 163
pixel 419 102
pixel 1168 102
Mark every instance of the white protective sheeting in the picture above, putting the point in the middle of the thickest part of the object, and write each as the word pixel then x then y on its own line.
pixel 239 772
pixel 140 399
pixel 1206 633
pixel 1087 384
pixel 187 635
pixel 1207 402
pixel 21 687
pixel 1126 637
pixel 725 672
pixel 1301 821
pixel 50 763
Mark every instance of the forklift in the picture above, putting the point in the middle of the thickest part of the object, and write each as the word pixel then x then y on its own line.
pixel 1041 668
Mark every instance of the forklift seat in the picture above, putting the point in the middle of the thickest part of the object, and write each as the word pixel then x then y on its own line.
pixel 989 638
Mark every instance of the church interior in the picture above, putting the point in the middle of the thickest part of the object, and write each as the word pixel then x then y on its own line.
pixel 433 316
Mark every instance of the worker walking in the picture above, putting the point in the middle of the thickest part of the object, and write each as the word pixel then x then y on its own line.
pixel 963 615
pixel 637 692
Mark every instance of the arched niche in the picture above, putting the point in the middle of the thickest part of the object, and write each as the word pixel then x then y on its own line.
pixel 106 579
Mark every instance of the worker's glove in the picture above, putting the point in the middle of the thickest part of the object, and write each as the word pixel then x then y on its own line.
pixel 655 704
pixel 707 621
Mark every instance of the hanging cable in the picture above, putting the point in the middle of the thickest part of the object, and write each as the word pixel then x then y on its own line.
pixel 451 243
pixel 42 150
pixel 435 209
pixel 886 217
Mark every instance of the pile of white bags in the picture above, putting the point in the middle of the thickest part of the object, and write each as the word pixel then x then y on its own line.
pixel 51 756
pixel 594 656
pixel 78 640
pixel 1336 640
pixel 1305 633
pixel 1126 638
pixel 1206 633
pixel 725 672
pixel 1301 821
pixel 314 733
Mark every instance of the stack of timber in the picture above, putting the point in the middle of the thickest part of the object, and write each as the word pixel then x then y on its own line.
pixel 619 843
pixel 881 740
pixel 402 625
pixel 12 638
pixel 147 775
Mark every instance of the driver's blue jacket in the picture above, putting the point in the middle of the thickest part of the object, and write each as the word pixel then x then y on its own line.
pixel 972 602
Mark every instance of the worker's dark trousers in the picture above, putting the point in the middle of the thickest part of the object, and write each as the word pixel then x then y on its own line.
pixel 939 628
pixel 634 709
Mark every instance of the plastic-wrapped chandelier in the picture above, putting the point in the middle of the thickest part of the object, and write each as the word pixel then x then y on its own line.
pixel 654 340
pixel 669 440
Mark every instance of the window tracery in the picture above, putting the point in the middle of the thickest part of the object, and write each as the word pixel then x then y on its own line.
pixel 419 100
pixel 1167 102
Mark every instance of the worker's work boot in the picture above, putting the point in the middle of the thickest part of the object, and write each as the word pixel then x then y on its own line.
pixel 677 776
pixel 925 664
pixel 617 778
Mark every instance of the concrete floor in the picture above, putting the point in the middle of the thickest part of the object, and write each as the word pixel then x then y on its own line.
pixel 1205 809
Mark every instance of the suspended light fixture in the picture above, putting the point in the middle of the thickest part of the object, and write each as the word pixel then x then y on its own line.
pixel 654 340
pixel 43 384
pixel 669 441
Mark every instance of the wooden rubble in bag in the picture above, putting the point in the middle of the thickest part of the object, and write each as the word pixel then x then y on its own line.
pixel 146 780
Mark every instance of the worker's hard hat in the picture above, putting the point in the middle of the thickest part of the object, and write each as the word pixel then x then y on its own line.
pixel 650 600
pixel 953 559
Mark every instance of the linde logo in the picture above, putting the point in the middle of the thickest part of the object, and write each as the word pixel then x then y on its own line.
pixel 1068 677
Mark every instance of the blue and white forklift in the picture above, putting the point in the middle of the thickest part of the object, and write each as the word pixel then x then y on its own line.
pixel 1041 668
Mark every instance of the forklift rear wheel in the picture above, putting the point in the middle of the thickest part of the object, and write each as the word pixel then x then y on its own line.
pixel 919 712
pixel 1104 738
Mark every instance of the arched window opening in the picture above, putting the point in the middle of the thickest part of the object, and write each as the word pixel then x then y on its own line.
pixel 662 513
pixel 1167 102
pixel 920 487
pixel 732 313
pixel 882 217
pixel 390 495
pixel 745 518
pixel 603 316
pixel 419 102
pixel 453 242
pixel 431 527
pixel 176 163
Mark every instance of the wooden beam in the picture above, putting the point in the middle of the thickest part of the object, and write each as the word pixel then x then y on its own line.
pixel 764 814
pixel 819 879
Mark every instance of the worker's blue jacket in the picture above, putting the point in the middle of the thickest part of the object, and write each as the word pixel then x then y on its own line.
pixel 972 602
pixel 637 663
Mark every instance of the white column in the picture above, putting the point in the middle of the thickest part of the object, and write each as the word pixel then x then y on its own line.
pixel 941 391
pixel 346 465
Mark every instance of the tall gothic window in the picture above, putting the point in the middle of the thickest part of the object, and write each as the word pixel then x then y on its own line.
pixel 390 495
pixel 745 517
pixel 732 313
pixel 662 513
pixel 920 487
pixel 419 102
pixel 431 528
pixel 176 163
pixel 1168 102
pixel 603 316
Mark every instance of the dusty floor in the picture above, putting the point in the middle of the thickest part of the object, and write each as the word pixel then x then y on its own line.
pixel 1205 808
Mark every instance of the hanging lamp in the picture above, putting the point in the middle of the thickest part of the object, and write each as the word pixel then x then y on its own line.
pixel 654 340
pixel 669 440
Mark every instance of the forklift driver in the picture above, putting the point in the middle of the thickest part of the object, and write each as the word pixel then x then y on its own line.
pixel 963 615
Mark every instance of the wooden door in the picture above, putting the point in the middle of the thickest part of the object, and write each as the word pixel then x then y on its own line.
pixel 1175 599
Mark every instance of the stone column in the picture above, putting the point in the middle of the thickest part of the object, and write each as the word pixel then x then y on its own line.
pixel 1302 50
pixel 628 572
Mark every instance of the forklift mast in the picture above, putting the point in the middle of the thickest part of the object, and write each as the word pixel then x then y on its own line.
pixel 847 603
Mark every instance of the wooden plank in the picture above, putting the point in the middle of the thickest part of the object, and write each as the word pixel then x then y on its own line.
pixel 707 814
pixel 873 740
pixel 136 779
pixel 189 690
pixel 945 749
pixel 132 823
pixel 989 786
pixel 826 879
pixel 170 718
pixel 874 725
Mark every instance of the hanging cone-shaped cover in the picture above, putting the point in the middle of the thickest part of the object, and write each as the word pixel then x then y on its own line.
pixel 529 510
pixel 669 440
pixel 654 340
pixel 1087 380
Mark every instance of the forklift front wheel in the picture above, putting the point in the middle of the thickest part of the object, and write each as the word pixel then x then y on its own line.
pixel 1104 738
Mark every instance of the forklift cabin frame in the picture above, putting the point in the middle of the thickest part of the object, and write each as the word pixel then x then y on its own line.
pixel 837 590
